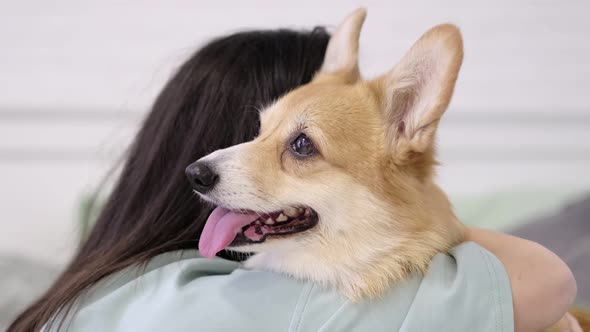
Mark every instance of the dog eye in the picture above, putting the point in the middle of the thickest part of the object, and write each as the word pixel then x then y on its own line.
pixel 302 146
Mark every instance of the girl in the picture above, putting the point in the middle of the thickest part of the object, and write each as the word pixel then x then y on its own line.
pixel 139 271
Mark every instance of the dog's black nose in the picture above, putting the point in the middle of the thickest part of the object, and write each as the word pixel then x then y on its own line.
pixel 201 176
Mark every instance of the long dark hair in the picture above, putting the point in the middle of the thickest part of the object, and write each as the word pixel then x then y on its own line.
pixel 210 103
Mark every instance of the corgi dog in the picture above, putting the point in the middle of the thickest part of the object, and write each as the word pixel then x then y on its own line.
pixel 338 187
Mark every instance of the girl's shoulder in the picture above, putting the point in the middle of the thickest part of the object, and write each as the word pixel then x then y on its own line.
pixel 464 290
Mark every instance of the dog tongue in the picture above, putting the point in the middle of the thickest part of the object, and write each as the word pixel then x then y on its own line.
pixel 221 229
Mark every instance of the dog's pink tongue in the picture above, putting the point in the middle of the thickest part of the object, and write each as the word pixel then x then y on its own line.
pixel 221 229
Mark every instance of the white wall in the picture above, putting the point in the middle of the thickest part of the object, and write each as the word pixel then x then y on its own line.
pixel 75 78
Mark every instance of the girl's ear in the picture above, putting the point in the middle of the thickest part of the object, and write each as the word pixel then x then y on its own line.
pixel 417 91
pixel 341 59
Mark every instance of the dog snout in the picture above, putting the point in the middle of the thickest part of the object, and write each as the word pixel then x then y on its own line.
pixel 201 176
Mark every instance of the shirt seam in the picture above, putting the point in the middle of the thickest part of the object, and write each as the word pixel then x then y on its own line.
pixel 411 304
pixel 300 306
pixel 321 328
pixel 495 292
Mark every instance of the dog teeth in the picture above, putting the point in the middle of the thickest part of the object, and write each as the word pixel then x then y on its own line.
pixel 258 230
pixel 292 212
pixel 282 218
pixel 269 221
pixel 307 212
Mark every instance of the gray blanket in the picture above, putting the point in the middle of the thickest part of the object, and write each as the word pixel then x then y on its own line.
pixel 21 281
pixel 567 233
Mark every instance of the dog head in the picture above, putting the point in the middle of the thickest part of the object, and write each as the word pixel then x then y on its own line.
pixel 340 177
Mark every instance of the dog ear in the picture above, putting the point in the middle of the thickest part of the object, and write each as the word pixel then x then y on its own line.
pixel 417 91
pixel 341 58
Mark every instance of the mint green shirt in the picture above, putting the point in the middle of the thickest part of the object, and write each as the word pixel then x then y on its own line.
pixel 465 290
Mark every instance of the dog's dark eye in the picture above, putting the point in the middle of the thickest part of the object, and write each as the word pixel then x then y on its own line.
pixel 302 146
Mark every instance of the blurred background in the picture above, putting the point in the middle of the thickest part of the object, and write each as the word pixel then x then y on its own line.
pixel 77 77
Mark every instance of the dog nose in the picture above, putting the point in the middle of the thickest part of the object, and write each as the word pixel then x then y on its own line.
pixel 201 176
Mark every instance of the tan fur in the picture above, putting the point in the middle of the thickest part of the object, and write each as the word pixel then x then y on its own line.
pixel 576 320
pixel 381 215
